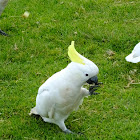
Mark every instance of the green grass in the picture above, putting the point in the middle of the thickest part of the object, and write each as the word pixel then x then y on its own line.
pixel 37 48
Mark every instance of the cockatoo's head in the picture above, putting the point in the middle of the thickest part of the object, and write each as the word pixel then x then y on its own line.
pixel 82 68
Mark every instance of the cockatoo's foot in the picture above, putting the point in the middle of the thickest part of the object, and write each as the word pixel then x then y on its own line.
pixel 99 83
pixel 92 89
pixel 3 33
pixel 67 131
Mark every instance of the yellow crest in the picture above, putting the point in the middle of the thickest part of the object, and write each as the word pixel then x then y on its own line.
pixel 74 55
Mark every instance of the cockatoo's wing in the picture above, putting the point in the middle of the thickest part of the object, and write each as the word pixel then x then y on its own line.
pixel 45 103
pixel 134 57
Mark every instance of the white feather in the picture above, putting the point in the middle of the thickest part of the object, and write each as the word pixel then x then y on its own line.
pixel 63 92
pixel 134 57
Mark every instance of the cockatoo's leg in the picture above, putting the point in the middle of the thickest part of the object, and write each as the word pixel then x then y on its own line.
pixel 92 89
pixel 61 124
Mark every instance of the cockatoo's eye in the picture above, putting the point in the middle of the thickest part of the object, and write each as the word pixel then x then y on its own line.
pixel 86 74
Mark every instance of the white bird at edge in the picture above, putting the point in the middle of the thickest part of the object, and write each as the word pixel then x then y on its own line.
pixel 62 93
pixel 3 4
pixel 134 57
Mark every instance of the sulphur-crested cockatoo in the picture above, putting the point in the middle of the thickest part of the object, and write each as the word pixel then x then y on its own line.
pixel 3 3
pixel 134 57
pixel 63 92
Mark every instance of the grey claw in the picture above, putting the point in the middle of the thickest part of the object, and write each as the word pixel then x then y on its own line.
pixel 92 89
pixel 68 131
pixel 95 93
pixel 100 83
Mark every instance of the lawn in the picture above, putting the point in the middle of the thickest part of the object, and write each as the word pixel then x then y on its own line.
pixel 104 31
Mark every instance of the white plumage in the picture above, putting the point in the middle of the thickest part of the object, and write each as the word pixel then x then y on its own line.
pixel 63 92
pixel 3 4
pixel 134 57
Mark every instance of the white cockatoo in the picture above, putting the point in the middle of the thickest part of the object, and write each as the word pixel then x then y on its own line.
pixel 63 92
pixel 3 4
pixel 134 57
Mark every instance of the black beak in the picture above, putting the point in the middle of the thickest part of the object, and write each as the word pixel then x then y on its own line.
pixel 93 80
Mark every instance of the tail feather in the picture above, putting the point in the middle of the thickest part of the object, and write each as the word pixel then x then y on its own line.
pixel 33 111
